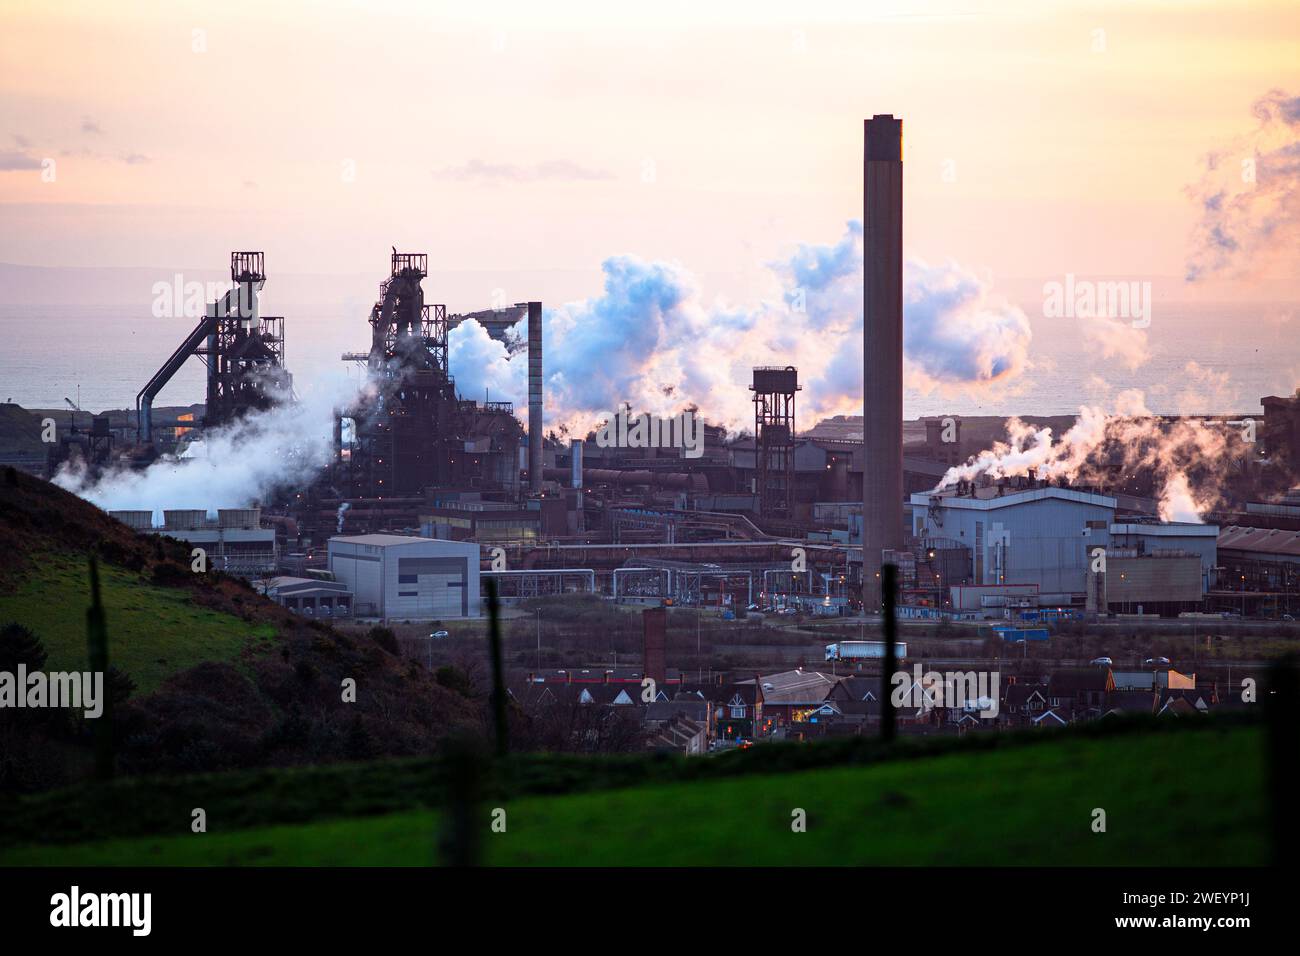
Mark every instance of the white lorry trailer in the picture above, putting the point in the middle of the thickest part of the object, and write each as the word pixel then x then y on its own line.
pixel 863 651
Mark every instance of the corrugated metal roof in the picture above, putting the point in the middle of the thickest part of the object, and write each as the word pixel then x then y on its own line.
pixel 987 498
pixel 386 540
pixel 1180 529
pixel 1266 540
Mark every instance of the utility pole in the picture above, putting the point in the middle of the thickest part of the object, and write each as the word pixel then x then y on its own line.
pixel 498 676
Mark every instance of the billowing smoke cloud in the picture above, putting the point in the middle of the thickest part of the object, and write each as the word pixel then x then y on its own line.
pixel 1188 458
pixel 1116 339
pixel 651 340
pixel 1250 195
pixel 232 467
pixel 955 333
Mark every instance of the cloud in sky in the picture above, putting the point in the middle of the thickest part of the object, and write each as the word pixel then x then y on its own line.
pixel 13 160
pixel 1249 195
pixel 554 170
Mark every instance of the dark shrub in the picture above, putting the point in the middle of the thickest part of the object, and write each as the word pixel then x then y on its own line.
pixel 454 679
pixel 18 645
pixel 385 638
pixel 169 574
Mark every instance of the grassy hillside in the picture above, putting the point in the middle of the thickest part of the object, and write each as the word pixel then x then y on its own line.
pixel 147 621
pixel 223 678
pixel 1193 797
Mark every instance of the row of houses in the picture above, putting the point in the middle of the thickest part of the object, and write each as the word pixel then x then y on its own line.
pixel 674 714
pixel 695 717
pixel 1066 696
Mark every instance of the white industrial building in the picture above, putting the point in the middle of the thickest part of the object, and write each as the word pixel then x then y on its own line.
pixel 1036 543
pixel 1036 536
pixel 1174 541
pixel 402 577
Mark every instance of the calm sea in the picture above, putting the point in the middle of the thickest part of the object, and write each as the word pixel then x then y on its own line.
pixel 1202 358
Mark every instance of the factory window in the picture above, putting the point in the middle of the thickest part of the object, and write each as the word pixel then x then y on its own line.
pixel 408 593
pixel 408 579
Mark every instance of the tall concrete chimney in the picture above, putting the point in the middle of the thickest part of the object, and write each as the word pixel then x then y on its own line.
pixel 535 397
pixel 882 303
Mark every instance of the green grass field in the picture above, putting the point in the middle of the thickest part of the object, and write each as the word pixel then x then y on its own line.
pixel 154 631
pixel 1172 799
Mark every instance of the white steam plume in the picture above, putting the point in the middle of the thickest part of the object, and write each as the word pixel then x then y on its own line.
pixel 1187 458
pixel 651 339
pixel 231 467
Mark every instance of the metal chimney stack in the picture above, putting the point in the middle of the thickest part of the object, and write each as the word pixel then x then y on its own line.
pixel 575 455
pixel 535 397
pixel 882 300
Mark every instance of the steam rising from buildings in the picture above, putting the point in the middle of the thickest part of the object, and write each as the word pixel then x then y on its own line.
pixel 231 467
pixel 1250 194
pixel 1187 457
pixel 652 340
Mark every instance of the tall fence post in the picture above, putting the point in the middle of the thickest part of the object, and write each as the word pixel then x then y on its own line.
pixel 1280 700
pixel 97 655
pixel 889 595
pixel 498 676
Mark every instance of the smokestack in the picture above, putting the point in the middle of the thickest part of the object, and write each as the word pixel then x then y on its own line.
pixel 575 463
pixel 535 397
pixel 882 301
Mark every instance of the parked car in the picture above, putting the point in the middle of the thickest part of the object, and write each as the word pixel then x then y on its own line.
pixel 439 634
pixel 1159 661
pixel 1102 661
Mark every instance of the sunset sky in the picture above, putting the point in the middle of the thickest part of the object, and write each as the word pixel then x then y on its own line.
pixel 528 147
pixel 526 136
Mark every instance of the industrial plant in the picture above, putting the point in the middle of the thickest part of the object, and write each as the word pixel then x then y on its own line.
pixel 446 436
pixel 793 516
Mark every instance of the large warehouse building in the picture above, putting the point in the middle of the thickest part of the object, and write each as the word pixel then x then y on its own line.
pixel 1040 535
pixel 400 577
pixel 1038 543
